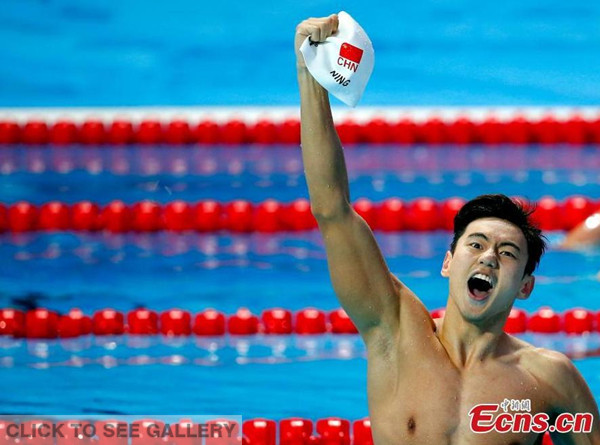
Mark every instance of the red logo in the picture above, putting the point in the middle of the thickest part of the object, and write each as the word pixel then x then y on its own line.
pixel 351 52
pixel 484 420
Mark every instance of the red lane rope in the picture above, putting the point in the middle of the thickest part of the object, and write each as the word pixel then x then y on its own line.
pixel 520 130
pixel 391 215
pixel 45 323
pixel 327 431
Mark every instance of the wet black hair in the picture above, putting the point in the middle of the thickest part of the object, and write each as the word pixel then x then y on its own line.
pixel 502 207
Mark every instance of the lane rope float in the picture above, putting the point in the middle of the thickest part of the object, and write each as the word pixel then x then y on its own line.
pixel 391 215
pixel 44 323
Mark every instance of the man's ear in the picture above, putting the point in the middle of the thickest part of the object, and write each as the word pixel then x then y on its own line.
pixel 526 287
pixel 445 272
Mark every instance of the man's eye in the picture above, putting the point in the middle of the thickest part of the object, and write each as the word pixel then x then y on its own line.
pixel 510 254
pixel 475 245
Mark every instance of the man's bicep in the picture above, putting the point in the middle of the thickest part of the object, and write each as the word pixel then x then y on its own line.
pixel 360 277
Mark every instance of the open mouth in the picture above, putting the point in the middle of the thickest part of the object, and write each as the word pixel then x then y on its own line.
pixel 480 286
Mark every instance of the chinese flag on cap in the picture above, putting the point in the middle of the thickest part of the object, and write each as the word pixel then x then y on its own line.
pixel 351 52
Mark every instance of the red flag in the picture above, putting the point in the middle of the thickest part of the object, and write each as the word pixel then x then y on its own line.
pixel 351 52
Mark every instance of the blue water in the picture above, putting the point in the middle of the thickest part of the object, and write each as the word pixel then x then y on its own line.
pixel 258 173
pixel 194 271
pixel 266 377
pixel 184 52
pixel 311 378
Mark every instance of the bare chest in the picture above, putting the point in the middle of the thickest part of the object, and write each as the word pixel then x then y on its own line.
pixel 426 400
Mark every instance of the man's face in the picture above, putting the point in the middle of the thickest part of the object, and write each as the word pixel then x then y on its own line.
pixel 486 269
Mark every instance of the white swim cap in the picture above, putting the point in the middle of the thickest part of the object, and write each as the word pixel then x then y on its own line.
pixel 343 63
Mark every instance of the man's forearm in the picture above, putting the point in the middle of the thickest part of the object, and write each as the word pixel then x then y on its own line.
pixel 322 152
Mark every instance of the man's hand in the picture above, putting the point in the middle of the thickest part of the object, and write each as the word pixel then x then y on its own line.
pixel 317 29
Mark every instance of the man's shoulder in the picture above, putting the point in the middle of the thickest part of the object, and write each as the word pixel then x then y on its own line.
pixel 534 357
pixel 551 367
pixel 562 386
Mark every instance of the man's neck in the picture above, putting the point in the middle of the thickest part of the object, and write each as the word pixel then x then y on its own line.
pixel 469 343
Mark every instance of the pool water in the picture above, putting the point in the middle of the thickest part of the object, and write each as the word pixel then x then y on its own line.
pixel 458 52
pixel 327 378
pixel 256 173
pixel 273 377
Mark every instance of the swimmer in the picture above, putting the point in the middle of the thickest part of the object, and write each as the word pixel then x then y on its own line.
pixel 585 235
pixel 424 376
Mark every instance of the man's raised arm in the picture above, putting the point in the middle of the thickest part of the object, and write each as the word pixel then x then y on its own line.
pixel 367 290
